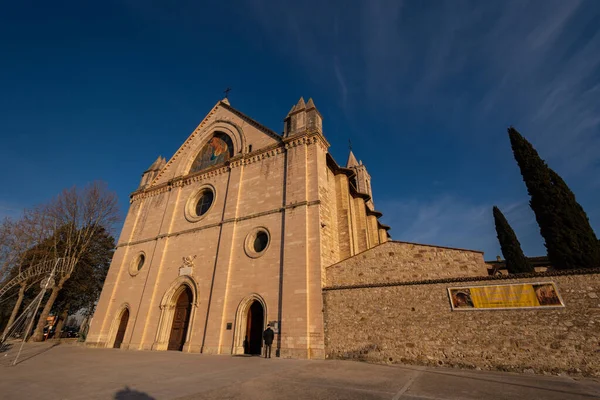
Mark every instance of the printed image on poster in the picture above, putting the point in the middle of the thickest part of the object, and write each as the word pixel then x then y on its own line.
pixel 511 296
pixel 461 298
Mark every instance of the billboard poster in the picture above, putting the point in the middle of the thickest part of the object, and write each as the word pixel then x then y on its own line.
pixel 511 296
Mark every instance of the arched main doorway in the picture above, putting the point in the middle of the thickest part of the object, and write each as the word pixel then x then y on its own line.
pixel 122 328
pixel 181 320
pixel 254 328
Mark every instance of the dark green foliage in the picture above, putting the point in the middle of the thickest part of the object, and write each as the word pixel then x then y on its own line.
pixel 569 237
pixel 85 284
pixel 516 262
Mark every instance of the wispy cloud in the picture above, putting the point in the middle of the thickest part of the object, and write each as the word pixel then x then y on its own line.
pixel 456 222
pixel 342 82
pixel 476 66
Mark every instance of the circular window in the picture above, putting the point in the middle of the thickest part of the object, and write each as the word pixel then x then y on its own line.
pixel 204 202
pixel 200 203
pixel 257 242
pixel 261 241
pixel 137 263
pixel 140 262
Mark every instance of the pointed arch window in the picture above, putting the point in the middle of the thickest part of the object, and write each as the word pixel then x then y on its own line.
pixel 216 151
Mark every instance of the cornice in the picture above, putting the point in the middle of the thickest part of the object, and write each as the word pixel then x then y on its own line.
pixel 225 221
pixel 234 162
pixel 547 274
pixel 251 121
pixel 186 143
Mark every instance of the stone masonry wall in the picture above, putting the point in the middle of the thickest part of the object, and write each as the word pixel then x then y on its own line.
pixel 414 323
pixel 400 261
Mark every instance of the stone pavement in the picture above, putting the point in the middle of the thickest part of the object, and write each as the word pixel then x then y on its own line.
pixel 74 372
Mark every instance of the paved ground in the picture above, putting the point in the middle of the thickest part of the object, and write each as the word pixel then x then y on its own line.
pixel 72 372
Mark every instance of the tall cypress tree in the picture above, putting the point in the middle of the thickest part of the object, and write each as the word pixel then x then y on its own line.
pixel 569 237
pixel 516 262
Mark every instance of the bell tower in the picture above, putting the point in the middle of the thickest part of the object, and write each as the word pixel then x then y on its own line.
pixel 303 117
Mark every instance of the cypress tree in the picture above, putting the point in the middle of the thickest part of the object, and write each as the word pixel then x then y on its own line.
pixel 516 262
pixel 568 235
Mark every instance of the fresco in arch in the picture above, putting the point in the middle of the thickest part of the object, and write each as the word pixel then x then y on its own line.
pixel 218 150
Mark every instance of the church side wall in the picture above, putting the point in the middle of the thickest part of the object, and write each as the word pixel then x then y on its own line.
pixel 383 236
pixel 330 248
pixel 400 261
pixel 414 323
pixel 372 230
pixel 360 224
pixel 344 224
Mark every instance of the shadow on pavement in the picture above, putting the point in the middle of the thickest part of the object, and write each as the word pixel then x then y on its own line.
pixel 499 381
pixel 29 351
pixel 130 394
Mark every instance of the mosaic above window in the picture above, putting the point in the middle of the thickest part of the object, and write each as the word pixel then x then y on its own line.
pixel 218 150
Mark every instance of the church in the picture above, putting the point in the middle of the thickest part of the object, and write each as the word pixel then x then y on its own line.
pixel 244 227
pixel 235 232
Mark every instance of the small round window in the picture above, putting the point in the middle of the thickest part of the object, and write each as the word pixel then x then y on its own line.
pixel 257 242
pixel 204 202
pixel 137 263
pixel 141 260
pixel 199 204
pixel 261 241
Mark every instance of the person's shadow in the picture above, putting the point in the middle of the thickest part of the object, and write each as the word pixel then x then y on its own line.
pixel 129 394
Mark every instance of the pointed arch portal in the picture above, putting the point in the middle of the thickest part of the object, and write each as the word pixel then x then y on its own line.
pixel 122 328
pixel 250 322
pixel 181 320
pixel 254 329
pixel 178 309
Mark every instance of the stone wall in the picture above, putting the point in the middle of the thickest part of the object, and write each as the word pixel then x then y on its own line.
pixel 414 323
pixel 400 261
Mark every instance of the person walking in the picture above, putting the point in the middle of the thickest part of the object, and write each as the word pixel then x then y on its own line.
pixel 268 336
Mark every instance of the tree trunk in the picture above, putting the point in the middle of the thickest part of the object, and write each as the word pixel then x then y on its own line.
pixel 83 326
pixel 62 318
pixel 16 308
pixel 38 335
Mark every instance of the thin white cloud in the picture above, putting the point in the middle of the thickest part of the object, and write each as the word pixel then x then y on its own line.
pixel 451 221
pixel 342 82
pixel 479 66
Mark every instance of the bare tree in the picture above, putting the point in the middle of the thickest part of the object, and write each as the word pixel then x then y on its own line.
pixel 76 216
pixel 18 251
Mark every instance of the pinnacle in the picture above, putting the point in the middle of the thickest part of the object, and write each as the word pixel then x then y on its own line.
pixel 351 160
pixel 300 104
pixel 292 110
pixel 157 164
pixel 310 104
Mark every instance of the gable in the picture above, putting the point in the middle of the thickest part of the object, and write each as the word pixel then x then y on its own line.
pixel 223 134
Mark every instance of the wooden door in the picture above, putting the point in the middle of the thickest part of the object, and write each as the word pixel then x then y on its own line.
pixel 122 329
pixel 181 320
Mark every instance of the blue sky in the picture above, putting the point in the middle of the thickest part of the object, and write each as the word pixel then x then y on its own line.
pixel 424 89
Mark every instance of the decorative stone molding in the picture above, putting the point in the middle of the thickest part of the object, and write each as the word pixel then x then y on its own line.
pixel 186 143
pixel 190 205
pixel 588 271
pixel 134 264
pixel 188 265
pixel 251 237
pixel 227 221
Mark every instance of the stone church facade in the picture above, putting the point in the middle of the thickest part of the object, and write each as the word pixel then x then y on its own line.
pixel 233 232
pixel 244 227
